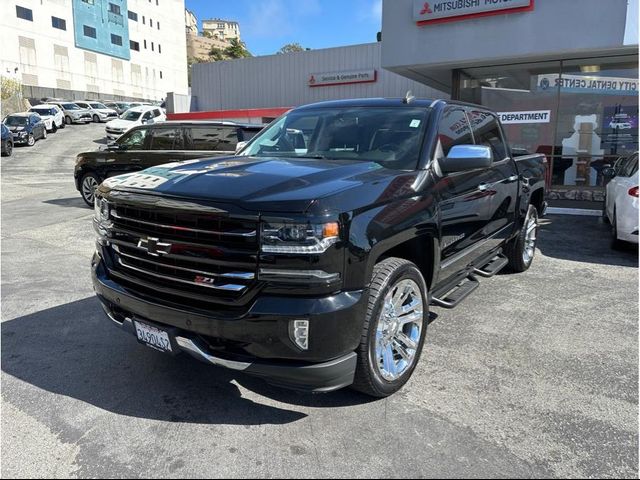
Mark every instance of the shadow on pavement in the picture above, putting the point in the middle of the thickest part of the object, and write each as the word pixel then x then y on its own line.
pixel 74 350
pixel 75 202
pixel 582 239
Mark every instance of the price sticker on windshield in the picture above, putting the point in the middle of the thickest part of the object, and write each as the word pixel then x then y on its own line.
pixel 414 123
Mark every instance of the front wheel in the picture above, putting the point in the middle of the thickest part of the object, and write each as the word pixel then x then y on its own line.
pixel 67 120
pixel 394 328
pixel 521 250
pixel 96 119
pixel 63 124
pixel 44 134
pixel 31 140
pixel 54 128
pixel 88 186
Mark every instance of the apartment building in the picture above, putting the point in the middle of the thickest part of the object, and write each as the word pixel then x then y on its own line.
pixel 221 29
pixel 124 49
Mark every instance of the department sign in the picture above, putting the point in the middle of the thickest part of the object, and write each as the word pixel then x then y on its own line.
pixel 342 78
pixel 435 11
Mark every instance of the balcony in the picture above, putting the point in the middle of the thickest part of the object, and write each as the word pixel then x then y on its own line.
pixel 116 18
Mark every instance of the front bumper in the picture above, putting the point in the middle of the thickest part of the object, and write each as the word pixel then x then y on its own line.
pixel 262 332
pixel 20 140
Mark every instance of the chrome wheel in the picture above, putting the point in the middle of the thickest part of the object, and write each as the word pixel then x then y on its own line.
pixel 530 239
pixel 89 185
pixel 31 140
pixel 399 330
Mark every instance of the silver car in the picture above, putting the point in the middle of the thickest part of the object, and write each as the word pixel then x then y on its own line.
pixel 99 111
pixel 74 113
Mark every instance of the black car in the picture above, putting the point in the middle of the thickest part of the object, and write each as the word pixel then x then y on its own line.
pixel 311 258
pixel 26 128
pixel 150 145
pixel 7 141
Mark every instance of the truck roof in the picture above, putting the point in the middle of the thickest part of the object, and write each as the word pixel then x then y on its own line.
pixel 385 102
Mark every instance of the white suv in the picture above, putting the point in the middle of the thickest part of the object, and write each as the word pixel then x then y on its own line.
pixel 133 117
pixel 99 112
pixel 52 116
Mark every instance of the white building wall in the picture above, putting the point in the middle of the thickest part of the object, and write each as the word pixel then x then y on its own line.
pixel 84 71
pixel 283 80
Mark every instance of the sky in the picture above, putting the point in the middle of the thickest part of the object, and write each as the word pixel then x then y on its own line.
pixel 267 25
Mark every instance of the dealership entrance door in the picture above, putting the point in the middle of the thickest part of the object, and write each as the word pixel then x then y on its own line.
pixel 582 114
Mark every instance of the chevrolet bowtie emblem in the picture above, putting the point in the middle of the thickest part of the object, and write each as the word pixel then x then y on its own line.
pixel 154 246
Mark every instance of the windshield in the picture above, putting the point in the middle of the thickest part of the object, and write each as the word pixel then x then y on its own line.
pixel 43 111
pixel 123 105
pixel 97 105
pixel 131 116
pixel 70 106
pixel 390 136
pixel 15 121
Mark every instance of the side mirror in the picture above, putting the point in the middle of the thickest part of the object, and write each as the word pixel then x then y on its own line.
pixel 240 146
pixel 463 158
pixel 609 172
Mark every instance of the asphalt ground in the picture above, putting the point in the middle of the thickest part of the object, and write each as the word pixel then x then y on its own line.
pixel 535 375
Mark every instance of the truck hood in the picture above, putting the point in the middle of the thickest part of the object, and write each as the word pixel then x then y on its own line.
pixel 257 184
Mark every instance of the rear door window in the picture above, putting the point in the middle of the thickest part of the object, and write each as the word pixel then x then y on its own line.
pixel 486 131
pixel 165 139
pixel 219 138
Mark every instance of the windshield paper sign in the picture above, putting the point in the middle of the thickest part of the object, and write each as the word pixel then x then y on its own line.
pixel 424 12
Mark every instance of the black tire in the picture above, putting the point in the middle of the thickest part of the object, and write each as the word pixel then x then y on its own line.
pixel 9 150
pixel 31 140
pixel 54 128
pixel 616 244
pixel 386 275
pixel 96 119
pixel 515 249
pixel 63 124
pixel 44 133
pixel 84 192
pixel 67 120
pixel 605 217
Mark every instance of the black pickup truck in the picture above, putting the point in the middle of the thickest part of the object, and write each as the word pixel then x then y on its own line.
pixel 312 256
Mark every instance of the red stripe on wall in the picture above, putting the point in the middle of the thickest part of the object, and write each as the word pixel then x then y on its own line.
pixel 221 114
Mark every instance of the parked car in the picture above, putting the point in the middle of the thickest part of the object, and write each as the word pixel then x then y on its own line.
pixel 151 145
pixel 73 113
pixel 51 115
pixel 312 265
pixel 132 118
pixel 25 127
pixel 119 107
pixel 7 141
pixel 99 112
pixel 621 200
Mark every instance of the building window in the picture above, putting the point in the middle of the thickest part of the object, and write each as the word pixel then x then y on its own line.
pixel 160 74
pixel 133 15
pixel 89 31
pixel 58 23
pixel 145 44
pixel 158 23
pixel 24 13
pixel 134 45
pixel 157 2
pixel 159 48
pixel 113 8
pixel 116 39
pixel 90 2
pixel 151 22
pixel 144 20
pixel 152 48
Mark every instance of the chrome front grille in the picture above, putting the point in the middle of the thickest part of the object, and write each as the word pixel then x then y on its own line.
pixel 188 255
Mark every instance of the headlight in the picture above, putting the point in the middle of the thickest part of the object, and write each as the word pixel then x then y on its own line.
pixel 101 209
pixel 299 238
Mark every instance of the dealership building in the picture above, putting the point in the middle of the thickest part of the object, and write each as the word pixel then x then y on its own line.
pixel 562 74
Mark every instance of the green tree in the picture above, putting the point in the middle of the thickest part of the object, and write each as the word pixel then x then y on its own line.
pixel 291 48
pixel 237 49
pixel 216 54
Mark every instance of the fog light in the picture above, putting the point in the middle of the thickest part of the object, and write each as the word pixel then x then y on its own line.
pixel 299 333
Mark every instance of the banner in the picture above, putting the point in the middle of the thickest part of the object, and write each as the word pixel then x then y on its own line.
pixel 442 10
pixel 342 78
pixel 532 116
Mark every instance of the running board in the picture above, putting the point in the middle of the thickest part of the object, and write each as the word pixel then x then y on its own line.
pixel 496 264
pixel 458 293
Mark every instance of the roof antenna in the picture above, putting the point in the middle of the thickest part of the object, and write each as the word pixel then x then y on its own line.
pixel 408 98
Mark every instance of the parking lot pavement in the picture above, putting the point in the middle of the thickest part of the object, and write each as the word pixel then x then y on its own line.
pixel 535 375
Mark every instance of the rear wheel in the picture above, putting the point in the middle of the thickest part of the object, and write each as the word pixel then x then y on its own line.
pixel 521 250
pixel 88 186
pixel 394 328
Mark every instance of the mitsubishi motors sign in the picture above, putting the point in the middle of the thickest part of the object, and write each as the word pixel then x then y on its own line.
pixel 435 11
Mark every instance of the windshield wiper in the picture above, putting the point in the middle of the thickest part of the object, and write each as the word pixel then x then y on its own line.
pixel 316 156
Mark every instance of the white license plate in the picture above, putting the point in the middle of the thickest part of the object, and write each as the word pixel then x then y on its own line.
pixel 153 337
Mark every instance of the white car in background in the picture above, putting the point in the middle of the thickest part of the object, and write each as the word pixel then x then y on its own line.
pixel 99 111
pixel 621 200
pixel 51 115
pixel 133 117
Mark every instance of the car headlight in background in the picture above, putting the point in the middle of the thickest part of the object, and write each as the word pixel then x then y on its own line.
pixel 298 237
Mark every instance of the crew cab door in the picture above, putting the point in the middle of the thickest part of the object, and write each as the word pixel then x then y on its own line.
pixel 464 207
pixel 126 156
pixel 166 145
pixel 501 182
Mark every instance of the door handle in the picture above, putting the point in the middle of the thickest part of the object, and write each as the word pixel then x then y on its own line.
pixel 136 160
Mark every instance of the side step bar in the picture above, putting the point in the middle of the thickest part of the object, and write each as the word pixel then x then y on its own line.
pixel 458 293
pixel 496 264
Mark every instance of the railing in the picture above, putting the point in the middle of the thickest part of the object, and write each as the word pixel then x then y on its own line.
pixel 116 18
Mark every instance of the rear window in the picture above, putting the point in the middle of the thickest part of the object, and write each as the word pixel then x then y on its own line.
pixel 165 139
pixel 213 138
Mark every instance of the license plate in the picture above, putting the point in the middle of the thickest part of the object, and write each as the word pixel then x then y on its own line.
pixel 153 337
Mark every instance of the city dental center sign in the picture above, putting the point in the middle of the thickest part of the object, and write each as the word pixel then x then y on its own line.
pixel 452 10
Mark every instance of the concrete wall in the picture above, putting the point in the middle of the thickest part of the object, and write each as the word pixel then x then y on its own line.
pixel 282 80
pixel 554 29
